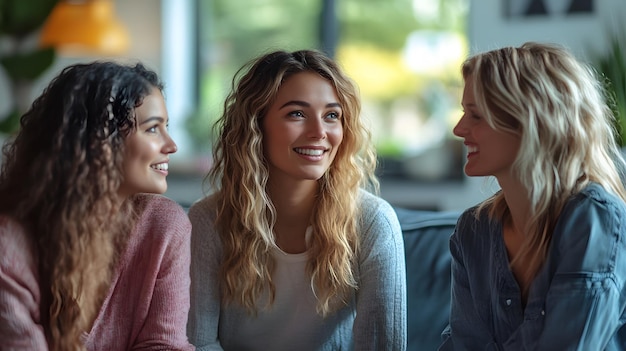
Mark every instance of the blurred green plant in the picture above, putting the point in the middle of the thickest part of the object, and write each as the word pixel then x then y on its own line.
pixel 20 56
pixel 611 64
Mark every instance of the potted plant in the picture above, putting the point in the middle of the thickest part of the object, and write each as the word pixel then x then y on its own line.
pixel 20 57
pixel 611 64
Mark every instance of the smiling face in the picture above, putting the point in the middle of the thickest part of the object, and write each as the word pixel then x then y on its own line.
pixel 490 152
pixel 302 129
pixel 147 149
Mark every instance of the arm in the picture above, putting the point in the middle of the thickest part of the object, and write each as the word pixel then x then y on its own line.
pixel 466 330
pixel 586 299
pixel 20 327
pixel 202 327
pixel 380 322
pixel 165 323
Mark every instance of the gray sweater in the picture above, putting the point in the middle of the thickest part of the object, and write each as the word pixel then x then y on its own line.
pixel 374 319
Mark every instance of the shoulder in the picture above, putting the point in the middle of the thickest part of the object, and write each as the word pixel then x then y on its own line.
pixel 11 230
pixel 470 219
pixel 160 213
pixel 203 211
pixel 595 203
pixel 593 208
pixel 473 227
pixel 589 232
pixel 18 260
pixel 595 194
pixel 372 205
pixel 377 217
pixel 15 244
pixel 157 203
pixel 204 236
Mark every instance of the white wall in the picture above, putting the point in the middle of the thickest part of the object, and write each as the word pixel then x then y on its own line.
pixel 160 36
pixel 584 34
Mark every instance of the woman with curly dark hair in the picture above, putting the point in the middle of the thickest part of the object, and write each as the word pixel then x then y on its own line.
pixel 88 259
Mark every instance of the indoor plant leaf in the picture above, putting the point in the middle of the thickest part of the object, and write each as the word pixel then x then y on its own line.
pixel 19 18
pixel 29 65
pixel 611 64
pixel 10 123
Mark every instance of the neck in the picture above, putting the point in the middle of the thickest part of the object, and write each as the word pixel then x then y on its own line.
pixel 294 207
pixel 293 199
pixel 518 203
pixel 515 232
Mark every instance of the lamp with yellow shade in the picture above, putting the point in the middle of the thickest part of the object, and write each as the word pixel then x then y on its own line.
pixel 77 27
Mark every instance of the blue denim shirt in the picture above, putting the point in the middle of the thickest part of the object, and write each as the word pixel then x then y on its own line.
pixel 576 302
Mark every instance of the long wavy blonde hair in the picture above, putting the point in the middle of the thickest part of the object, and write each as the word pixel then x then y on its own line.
pixel 557 105
pixel 246 214
pixel 60 179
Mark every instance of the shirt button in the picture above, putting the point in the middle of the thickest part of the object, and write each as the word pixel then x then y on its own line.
pixel 543 313
pixel 508 302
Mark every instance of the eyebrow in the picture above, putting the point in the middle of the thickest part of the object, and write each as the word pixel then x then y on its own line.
pixel 471 104
pixel 154 118
pixel 306 104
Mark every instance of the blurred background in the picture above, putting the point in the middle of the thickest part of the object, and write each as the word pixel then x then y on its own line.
pixel 405 56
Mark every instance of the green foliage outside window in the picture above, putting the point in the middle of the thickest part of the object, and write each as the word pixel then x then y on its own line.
pixel 372 37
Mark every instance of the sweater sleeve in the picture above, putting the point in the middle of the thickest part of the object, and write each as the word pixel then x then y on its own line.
pixel 20 327
pixel 164 325
pixel 380 322
pixel 202 327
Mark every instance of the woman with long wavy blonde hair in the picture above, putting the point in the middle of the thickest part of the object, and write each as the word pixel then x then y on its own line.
pixel 540 265
pixel 88 260
pixel 290 252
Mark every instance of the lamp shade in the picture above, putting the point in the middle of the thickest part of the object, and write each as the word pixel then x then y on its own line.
pixel 85 27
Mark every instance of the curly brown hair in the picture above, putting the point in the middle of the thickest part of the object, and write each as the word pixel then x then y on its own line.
pixel 60 178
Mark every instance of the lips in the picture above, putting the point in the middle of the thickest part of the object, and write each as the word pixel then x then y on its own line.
pixel 160 166
pixel 309 152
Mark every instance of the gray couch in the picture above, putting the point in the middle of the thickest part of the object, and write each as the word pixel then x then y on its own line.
pixel 426 237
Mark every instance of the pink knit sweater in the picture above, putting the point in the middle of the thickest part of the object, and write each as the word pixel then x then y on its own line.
pixel 147 304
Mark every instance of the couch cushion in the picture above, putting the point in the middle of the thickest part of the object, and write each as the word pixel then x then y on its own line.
pixel 426 244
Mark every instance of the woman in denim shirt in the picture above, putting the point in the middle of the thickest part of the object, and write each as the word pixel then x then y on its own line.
pixel 540 265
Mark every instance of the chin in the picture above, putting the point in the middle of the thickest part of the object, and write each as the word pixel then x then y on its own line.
pixel 473 173
pixel 156 189
pixel 160 191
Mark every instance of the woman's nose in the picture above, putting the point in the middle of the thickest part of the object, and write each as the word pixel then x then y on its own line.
pixel 459 129
pixel 316 128
pixel 170 146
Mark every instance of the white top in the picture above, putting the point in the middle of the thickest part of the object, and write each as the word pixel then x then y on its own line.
pixel 293 312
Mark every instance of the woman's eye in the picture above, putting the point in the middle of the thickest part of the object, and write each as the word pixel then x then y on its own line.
pixel 152 129
pixel 471 114
pixel 296 114
pixel 333 115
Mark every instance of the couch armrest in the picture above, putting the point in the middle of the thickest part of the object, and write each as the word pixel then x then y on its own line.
pixel 426 243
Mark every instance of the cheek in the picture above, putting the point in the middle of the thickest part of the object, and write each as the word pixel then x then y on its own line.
pixel 140 152
pixel 485 135
pixel 336 135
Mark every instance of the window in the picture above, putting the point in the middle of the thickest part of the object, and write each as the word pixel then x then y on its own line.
pixel 405 55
